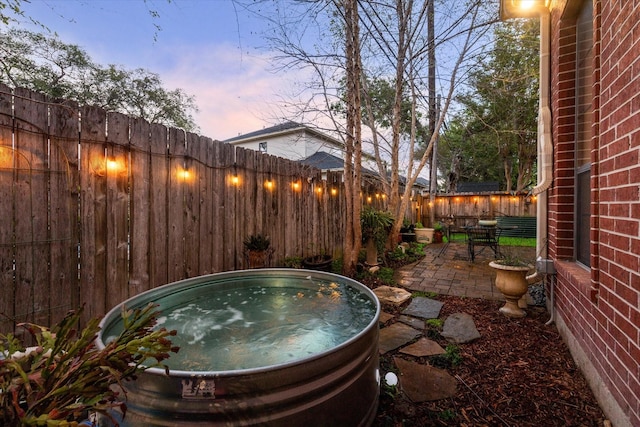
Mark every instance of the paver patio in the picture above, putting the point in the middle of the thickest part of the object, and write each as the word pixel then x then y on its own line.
pixel 449 271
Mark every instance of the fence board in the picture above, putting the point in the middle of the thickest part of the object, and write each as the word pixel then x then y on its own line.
pixel 94 236
pixel 31 208
pixel 64 202
pixel 117 209
pixel 230 194
pixel 221 178
pixel 159 206
pixel 241 224
pixel 175 207
pixel 140 211
pixel 7 282
pixel 194 172
pixel 205 177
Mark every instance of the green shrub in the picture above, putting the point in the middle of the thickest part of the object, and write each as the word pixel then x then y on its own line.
pixel 292 262
pixel 65 374
pixel 385 274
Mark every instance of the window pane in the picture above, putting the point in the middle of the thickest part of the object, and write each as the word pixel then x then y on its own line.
pixel 583 190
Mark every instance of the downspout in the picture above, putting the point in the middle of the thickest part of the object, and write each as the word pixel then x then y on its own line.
pixel 545 155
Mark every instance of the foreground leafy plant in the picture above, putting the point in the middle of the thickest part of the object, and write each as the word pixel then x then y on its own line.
pixel 65 375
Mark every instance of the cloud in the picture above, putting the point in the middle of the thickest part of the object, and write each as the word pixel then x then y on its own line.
pixel 235 92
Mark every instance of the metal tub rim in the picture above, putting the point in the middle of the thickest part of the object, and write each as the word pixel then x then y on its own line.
pixel 143 298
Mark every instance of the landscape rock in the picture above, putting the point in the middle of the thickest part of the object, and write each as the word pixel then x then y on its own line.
pixel 425 308
pixel 391 294
pixel 422 383
pixel 395 336
pixel 459 328
pixel 423 347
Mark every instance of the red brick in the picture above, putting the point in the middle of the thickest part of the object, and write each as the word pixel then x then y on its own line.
pixel 628 158
pixel 629 194
pixel 629 329
pixel 628 260
pixel 618 178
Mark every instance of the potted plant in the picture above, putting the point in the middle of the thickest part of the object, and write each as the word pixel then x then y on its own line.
pixel 511 281
pixel 321 261
pixel 423 234
pixel 407 232
pixel 375 228
pixel 438 232
pixel 257 250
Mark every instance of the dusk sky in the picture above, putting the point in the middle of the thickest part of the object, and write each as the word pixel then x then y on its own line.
pixel 211 49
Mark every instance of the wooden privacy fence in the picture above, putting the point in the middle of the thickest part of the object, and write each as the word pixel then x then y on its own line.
pixel 465 209
pixel 99 207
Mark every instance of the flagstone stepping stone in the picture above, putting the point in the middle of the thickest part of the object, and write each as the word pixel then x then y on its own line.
pixel 423 347
pixel 391 294
pixel 412 321
pixel 460 328
pixel 395 336
pixel 423 307
pixel 385 317
pixel 423 383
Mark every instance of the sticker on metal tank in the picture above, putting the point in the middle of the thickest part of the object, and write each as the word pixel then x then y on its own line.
pixel 198 389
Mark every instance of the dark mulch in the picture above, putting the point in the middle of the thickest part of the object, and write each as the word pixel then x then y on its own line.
pixel 519 373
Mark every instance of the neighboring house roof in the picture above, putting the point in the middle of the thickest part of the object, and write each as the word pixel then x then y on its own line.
pixel 477 187
pixel 421 182
pixel 324 161
pixel 285 128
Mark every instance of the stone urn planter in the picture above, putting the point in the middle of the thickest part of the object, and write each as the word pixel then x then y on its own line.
pixel 511 280
pixel 424 235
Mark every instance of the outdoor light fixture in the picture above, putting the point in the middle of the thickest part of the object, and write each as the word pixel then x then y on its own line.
pixel 110 164
pixel 295 185
pixel 334 191
pixel 184 174
pixel 234 179
pixel 523 8
pixel 268 184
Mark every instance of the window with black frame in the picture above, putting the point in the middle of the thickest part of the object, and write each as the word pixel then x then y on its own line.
pixel 584 121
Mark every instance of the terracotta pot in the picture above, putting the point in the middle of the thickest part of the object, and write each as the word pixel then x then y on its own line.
pixel 512 282
pixel 257 259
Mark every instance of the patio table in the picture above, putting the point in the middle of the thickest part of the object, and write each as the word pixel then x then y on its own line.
pixel 484 236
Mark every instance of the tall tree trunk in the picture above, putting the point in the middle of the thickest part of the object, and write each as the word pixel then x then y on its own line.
pixel 353 144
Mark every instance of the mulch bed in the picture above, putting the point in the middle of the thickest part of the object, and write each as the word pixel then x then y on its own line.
pixel 519 373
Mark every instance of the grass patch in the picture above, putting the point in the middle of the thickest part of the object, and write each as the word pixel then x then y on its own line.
pixel 435 323
pixel 518 241
pixel 504 240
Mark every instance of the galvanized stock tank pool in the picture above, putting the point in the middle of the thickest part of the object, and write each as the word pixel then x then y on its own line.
pixel 259 347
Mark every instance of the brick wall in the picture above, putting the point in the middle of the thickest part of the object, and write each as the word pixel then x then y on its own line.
pixel 600 306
